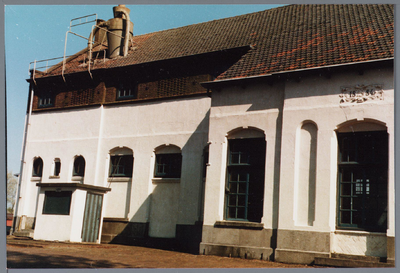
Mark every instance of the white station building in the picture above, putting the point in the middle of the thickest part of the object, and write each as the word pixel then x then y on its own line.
pixel 268 135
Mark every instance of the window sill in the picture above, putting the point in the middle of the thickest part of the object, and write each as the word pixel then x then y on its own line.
pixel 359 232
pixel 166 180
pixel 36 179
pixel 54 176
pixel 238 224
pixel 77 178
pixel 119 179
pixel 116 219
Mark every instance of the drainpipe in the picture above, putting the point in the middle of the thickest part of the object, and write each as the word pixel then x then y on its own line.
pixel 24 141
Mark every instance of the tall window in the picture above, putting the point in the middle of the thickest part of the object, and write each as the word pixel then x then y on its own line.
pixel 245 179
pixel 57 167
pixel 362 177
pixel 79 166
pixel 37 167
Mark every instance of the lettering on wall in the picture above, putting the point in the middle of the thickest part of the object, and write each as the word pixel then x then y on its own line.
pixel 361 93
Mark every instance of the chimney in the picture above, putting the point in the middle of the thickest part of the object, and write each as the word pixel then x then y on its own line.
pixel 120 32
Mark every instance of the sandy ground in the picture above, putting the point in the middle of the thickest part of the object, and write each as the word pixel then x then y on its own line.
pixel 39 254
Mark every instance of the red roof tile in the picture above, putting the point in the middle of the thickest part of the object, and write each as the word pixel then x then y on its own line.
pixel 283 39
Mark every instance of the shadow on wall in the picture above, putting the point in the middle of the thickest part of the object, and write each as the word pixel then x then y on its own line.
pixel 167 205
pixel 257 96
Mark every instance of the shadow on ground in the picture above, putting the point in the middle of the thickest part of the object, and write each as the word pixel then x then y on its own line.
pixel 22 260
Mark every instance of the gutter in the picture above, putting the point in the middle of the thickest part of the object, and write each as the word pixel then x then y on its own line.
pixel 231 81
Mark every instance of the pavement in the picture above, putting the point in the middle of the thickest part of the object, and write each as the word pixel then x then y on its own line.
pixel 28 253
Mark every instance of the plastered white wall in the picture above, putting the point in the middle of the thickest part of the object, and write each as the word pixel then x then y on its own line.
pixel 317 99
pixel 94 132
pixel 59 227
pixel 256 106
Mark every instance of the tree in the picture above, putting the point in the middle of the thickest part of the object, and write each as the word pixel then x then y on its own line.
pixel 12 183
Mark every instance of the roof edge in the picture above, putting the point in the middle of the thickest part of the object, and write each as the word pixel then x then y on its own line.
pixel 259 77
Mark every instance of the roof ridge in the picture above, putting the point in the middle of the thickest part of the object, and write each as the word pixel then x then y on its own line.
pixel 214 20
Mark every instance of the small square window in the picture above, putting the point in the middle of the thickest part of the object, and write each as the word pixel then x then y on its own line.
pixel 168 166
pixel 126 91
pixel 121 165
pixel 57 202
pixel 46 100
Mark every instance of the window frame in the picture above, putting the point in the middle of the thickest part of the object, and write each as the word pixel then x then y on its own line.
pixel 362 181
pixel 127 168
pixel 129 91
pixel 56 167
pixel 34 172
pixel 50 200
pixel 171 164
pixel 245 161
pixel 80 165
pixel 46 99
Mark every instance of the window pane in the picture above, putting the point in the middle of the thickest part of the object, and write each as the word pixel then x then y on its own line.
pixel 241 213
pixel 233 187
pixel 346 175
pixel 242 187
pixel 57 168
pixel 368 192
pixel 357 218
pixel 232 200
pixel 242 200
pixel 246 161
pixel 121 165
pixel 79 166
pixel 57 202
pixel 345 189
pixel 168 165
pixel 345 217
pixel 232 212
pixel 346 203
pixel 37 167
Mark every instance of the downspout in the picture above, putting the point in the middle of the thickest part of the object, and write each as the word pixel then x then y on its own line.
pixel 24 141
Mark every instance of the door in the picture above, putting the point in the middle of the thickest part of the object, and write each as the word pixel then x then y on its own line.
pixel 91 218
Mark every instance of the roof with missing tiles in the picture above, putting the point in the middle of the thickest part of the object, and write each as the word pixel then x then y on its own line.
pixel 283 39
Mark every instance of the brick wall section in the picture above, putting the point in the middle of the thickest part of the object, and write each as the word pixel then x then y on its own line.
pixel 103 94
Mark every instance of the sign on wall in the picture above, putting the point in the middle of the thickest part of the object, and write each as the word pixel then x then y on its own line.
pixel 361 93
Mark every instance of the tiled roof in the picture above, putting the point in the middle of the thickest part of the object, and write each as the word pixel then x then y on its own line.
pixel 283 39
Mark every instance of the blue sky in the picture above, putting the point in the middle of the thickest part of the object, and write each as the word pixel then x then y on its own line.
pixel 38 33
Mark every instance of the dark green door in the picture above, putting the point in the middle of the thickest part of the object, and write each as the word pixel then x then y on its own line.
pixel 91 218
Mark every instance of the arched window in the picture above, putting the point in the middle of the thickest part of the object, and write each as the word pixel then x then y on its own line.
pixel 57 167
pixel 245 175
pixel 121 163
pixel 168 162
pixel 37 169
pixel 362 177
pixel 79 166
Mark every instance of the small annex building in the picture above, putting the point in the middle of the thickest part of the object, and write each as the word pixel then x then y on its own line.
pixel 268 135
